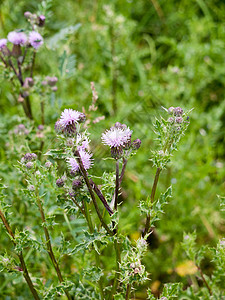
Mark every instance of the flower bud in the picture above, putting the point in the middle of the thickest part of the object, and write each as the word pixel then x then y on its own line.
pixel 41 127
pixel 44 82
pixel 16 51
pixel 117 152
pixel 29 165
pixel 136 144
pixel 171 110
pixel 27 15
pixel 41 20
pixel 60 182
pixel 52 80
pixel 82 118
pixel 48 164
pixel 76 184
pixel 31 188
pixel 54 89
pixel 179 120
pixel 171 120
pixel 178 111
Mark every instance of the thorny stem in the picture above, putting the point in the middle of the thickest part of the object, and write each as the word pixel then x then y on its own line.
pixel 120 179
pixel 4 61
pixel 117 184
pixel 128 291
pixel 123 170
pixel 27 107
pixel 152 197
pixel 32 64
pixel 85 176
pixel 101 197
pixel 204 280
pixel 42 113
pixel 49 246
pixel 24 55
pixel 91 228
pixel 77 204
pixel 21 258
pixel 118 262
pixel 20 72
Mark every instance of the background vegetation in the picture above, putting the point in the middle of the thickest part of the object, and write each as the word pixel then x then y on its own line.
pixel 142 55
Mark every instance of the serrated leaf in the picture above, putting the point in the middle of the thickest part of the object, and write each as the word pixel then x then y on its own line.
pixel 53 42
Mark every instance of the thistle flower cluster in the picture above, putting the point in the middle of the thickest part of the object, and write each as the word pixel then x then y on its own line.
pixel 51 82
pixel 20 38
pixel 68 126
pixel 176 113
pixel 28 160
pixel 34 19
pixel 21 130
pixel 118 137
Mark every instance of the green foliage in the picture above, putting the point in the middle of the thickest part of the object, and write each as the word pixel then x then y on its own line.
pixel 144 57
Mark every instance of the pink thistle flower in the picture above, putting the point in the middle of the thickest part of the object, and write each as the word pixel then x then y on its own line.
pixel 116 136
pixel 85 158
pixel 35 39
pixel 68 120
pixel 3 43
pixel 17 38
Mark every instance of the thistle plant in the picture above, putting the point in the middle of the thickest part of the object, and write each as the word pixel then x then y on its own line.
pixel 69 240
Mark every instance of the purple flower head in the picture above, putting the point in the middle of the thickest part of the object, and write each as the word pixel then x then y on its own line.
pixel 51 80
pixel 76 184
pixel 117 152
pixel 136 144
pixel 35 39
pixel 3 43
pixel 41 20
pixel 29 165
pixel 44 82
pixel 178 111
pixel 116 136
pixel 29 157
pixel 82 118
pixel 31 188
pixel 21 127
pixel 171 120
pixel 28 82
pixel 41 127
pixel 27 14
pixel 48 164
pixel 54 89
pixel 85 158
pixel 179 120
pixel 68 120
pixel 60 182
pixel 171 110
pixel 17 38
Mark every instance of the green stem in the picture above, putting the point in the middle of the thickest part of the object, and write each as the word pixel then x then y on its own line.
pixel 204 280
pixel 85 176
pixel 91 228
pixel 21 258
pixel 117 185
pixel 152 197
pixel 117 275
pixel 49 246
pixel 128 291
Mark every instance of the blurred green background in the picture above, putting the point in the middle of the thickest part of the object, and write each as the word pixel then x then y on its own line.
pixel 141 55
